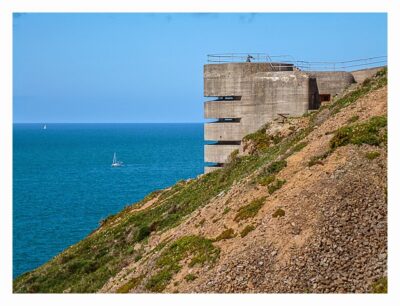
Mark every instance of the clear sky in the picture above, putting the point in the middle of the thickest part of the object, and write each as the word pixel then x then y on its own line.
pixel 149 67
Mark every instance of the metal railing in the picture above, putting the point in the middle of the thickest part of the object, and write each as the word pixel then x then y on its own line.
pixel 282 61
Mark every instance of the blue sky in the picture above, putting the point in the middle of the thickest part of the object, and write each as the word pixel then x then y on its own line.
pixel 149 67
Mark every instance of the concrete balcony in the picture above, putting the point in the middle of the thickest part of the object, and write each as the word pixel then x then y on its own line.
pixel 223 109
pixel 223 131
pixel 218 153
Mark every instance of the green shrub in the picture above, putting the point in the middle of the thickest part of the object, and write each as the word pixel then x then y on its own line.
pixel 143 232
pixel 353 119
pixel 368 132
pixel 264 180
pixel 199 249
pixel 275 186
pixel 380 286
pixel 247 230
pixel 226 234
pixel 226 210
pixel 372 155
pixel 299 146
pixel 278 213
pixel 190 277
pixel 317 160
pixel 261 140
pixel 276 166
pixel 250 210
pixel 130 284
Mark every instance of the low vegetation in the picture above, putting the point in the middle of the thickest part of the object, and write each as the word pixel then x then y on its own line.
pixel 226 210
pixel 261 140
pixel 130 284
pixel 190 277
pixel 199 249
pixel 318 159
pixel 226 234
pixel 300 146
pixel 372 155
pixel 275 186
pixel 278 213
pixel 250 210
pixel 380 286
pixel 372 132
pixel 353 119
pixel 247 230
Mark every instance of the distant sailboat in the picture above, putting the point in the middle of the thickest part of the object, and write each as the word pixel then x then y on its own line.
pixel 44 127
pixel 115 162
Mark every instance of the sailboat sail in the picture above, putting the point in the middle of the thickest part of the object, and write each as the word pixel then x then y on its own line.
pixel 115 162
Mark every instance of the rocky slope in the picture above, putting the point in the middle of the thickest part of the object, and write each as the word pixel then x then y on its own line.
pixel 300 208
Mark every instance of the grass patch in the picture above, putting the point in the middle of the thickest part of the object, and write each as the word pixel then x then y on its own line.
pixel 199 249
pixel 247 230
pixel 353 119
pixel 130 285
pixel 372 132
pixel 275 186
pixel 190 277
pixel 300 146
pixel 268 175
pixel 380 286
pixel 276 166
pixel 372 155
pixel 261 140
pixel 278 213
pixel 250 210
pixel 265 180
pixel 226 210
pixel 226 234
pixel 318 159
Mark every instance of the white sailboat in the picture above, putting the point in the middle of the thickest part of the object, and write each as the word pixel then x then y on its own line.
pixel 45 127
pixel 115 162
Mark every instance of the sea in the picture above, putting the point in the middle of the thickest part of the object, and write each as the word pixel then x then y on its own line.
pixel 64 185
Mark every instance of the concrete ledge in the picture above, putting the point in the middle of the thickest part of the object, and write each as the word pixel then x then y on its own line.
pixel 223 109
pixel 218 153
pixel 223 131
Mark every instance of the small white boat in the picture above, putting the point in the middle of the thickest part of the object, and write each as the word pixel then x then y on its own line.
pixel 44 127
pixel 115 162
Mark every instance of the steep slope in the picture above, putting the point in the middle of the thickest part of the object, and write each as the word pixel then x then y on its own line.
pixel 301 208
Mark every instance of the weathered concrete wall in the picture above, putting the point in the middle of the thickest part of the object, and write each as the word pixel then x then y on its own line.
pixel 332 82
pixel 263 96
pixel 232 79
pixel 361 75
pixel 218 153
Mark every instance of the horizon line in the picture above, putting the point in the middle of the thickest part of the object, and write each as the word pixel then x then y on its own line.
pixel 108 122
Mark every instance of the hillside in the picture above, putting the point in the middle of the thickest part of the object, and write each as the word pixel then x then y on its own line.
pixel 300 208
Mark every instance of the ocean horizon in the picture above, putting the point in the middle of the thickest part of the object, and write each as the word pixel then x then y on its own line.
pixel 64 185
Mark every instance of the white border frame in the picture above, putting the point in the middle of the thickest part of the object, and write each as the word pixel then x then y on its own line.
pixel 7 7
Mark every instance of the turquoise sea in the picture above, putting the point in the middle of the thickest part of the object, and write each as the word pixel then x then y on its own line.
pixel 63 182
